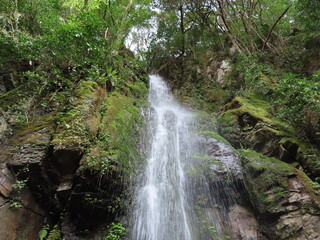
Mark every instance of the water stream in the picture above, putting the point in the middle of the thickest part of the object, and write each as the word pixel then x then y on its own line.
pixel 168 199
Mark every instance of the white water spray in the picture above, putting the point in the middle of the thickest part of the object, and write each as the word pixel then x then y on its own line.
pixel 161 202
pixel 165 200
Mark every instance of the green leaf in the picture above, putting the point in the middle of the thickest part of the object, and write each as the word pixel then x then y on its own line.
pixel 43 233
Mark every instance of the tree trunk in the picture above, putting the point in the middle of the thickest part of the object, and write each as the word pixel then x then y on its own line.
pixel 182 31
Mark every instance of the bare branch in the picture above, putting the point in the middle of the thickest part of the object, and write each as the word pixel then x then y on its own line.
pixel 274 25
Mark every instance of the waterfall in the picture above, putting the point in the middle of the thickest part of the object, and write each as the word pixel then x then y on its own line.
pixel 169 193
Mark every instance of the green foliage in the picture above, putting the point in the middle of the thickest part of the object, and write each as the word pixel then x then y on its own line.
pixel 250 75
pixel 298 93
pixel 115 232
pixel 48 36
pixel 299 101
pixel 46 234
pixel 43 233
pixel 214 135
pixel 15 204
pixel 309 13
pixel 112 75
pixel 315 186
pixel 19 184
pixel 55 234
pixel 84 5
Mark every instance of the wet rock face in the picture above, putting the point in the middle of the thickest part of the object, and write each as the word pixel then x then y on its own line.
pixel 51 177
pixel 244 223
pixel 285 204
pixel 59 157
pixel 223 171
pixel 23 216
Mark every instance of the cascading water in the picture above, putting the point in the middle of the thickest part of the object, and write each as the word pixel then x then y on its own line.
pixel 172 184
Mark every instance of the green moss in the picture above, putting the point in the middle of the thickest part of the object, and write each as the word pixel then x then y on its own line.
pixel 253 106
pixel 78 127
pixel 86 88
pixel 215 136
pixel 28 132
pixel 137 89
pixel 19 94
pixel 244 116
pixel 258 109
pixel 120 123
pixel 261 162
pixel 266 180
pixel 246 120
pixel 116 147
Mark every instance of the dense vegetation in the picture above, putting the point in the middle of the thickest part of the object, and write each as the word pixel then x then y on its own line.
pixel 65 40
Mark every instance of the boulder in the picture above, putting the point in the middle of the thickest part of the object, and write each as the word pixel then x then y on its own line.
pixel 248 122
pixel 287 205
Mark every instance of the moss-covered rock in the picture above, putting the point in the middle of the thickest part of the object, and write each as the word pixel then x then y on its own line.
pixel 248 122
pixel 282 196
pixel 244 115
pixel 270 177
pixel 29 142
pixel 109 157
pixel 77 127
pixel 117 141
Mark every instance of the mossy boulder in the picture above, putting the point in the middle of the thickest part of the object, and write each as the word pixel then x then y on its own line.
pixel 249 122
pixel 282 196
pixel 245 114
pixel 270 177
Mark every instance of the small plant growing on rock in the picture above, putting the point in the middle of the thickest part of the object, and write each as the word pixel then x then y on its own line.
pixel 19 185
pixel 46 234
pixel 115 232
pixel 15 204
pixel 43 232
pixel 315 186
